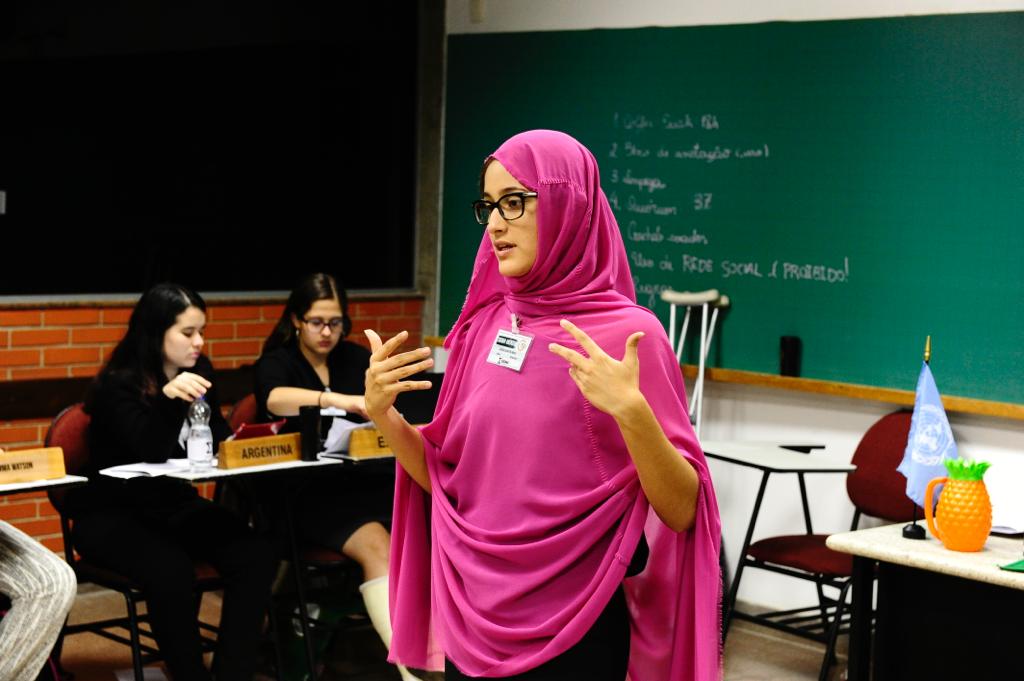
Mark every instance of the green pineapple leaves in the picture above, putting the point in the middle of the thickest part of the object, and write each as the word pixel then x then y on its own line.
pixel 965 469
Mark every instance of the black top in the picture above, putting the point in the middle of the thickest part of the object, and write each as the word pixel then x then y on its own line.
pixel 287 367
pixel 128 427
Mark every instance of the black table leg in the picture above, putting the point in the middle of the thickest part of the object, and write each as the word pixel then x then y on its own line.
pixel 860 619
pixel 730 601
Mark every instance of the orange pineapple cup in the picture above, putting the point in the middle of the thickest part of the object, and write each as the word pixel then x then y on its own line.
pixel 963 518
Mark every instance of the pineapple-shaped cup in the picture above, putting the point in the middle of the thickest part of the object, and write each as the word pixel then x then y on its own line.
pixel 963 518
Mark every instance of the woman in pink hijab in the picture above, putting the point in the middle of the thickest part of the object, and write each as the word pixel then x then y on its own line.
pixel 556 519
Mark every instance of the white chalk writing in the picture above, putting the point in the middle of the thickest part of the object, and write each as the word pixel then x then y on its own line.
pixel 694 237
pixel 648 184
pixel 649 207
pixel 640 260
pixel 683 228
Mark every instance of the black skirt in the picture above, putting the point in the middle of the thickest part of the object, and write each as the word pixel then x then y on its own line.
pixel 601 655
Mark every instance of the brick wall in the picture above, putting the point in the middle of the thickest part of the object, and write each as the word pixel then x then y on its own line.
pixel 70 342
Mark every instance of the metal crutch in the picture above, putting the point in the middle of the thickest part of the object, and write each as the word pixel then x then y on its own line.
pixel 705 299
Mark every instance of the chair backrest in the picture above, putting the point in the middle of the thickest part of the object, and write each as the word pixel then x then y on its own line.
pixel 876 488
pixel 69 431
pixel 244 411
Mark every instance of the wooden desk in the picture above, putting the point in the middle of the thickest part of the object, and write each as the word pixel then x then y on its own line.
pixel 770 458
pixel 941 614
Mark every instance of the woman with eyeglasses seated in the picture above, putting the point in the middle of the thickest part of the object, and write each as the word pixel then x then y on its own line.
pixel 307 362
pixel 152 529
pixel 556 520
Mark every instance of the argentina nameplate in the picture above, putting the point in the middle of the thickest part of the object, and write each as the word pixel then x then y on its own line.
pixel 257 451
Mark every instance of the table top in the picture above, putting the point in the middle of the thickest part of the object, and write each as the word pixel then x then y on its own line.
pixel 218 473
pixel 180 471
pixel 887 544
pixel 773 457
pixel 36 485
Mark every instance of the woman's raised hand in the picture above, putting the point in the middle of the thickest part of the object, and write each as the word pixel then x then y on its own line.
pixel 186 386
pixel 384 377
pixel 611 385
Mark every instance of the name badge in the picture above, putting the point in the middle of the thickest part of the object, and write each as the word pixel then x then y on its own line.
pixel 509 349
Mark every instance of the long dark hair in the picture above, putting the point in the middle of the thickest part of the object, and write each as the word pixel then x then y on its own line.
pixel 311 288
pixel 139 355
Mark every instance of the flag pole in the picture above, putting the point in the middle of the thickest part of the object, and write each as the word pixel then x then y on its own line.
pixel 913 530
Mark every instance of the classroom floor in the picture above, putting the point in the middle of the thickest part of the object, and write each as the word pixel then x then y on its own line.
pixel 751 653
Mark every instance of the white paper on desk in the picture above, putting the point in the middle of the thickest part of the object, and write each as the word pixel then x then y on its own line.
pixel 332 411
pixel 145 470
pixel 340 433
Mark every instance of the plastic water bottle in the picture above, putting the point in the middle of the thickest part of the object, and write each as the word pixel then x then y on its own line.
pixel 200 437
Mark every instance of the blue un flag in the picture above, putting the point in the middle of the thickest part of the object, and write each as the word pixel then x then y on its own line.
pixel 930 441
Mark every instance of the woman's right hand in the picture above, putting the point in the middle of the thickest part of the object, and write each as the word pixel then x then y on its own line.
pixel 352 404
pixel 384 377
pixel 187 386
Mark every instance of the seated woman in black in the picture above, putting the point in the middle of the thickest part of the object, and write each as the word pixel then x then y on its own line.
pixel 306 362
pixel 151 529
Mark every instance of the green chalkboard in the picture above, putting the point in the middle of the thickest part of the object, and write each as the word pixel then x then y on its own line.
pixel 859 184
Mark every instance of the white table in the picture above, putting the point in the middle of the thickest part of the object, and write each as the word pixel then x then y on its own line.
pixel 770 458
pixel 40 485
pixel 963 590
pixel 215 473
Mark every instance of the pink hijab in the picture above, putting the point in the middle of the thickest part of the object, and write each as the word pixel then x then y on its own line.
pixel 536 508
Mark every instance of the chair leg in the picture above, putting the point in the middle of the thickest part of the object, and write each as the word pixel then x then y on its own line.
pixel 307 633
pixel 833 632
pixel 300 588
pixel 822 605
pixel 275 640
pixel 730 601
pixel 300 593
pixel 133 631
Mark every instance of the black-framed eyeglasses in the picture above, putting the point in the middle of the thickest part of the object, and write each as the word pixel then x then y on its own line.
pixel 317 324
pixel 510 206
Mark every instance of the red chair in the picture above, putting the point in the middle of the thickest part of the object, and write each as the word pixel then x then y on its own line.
pixel 876 489
pixel 244 411
pixel 68 431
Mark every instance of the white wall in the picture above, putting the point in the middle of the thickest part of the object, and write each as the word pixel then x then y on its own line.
pixel 494 16
pixel 742 412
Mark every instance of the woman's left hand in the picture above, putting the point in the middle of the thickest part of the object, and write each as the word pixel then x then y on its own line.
pixel 187 386
pixel 611 385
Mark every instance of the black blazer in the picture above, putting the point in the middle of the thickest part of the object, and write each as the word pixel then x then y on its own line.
pixel 128 426
pixel 287 367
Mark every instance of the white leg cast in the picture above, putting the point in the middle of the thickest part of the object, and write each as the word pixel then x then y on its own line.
pixel 375 596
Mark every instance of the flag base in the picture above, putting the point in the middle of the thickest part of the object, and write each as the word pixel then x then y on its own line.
pixel 913 531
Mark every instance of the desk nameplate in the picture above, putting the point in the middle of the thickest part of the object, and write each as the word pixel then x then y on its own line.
pixel 257 451
pixel 368 443
pixel 28 465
